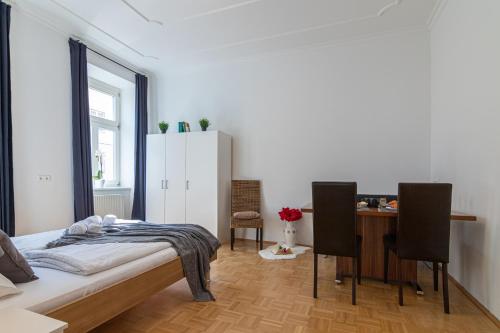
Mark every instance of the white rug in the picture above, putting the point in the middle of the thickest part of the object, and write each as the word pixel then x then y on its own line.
pixel 268 252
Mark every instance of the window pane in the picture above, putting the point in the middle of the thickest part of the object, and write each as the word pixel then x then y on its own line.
pixel 106 144
pixel 101 104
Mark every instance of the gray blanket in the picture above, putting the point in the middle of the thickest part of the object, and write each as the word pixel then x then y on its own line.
pixel 194 244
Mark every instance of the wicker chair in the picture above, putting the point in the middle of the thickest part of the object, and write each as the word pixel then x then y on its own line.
pixel 245 196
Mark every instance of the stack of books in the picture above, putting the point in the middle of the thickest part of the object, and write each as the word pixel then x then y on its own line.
pixel 184 127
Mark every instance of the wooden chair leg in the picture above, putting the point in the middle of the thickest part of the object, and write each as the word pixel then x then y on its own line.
pixel 315 288
pixel 354 269
pixel 257 235
pixel 207 280
pixel 435 269
pixel 232 239
pixel 261 238
pixel 400 280
pixel 446 300
pixel 386 263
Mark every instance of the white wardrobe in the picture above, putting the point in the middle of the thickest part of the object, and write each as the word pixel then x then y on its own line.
pixel 188 180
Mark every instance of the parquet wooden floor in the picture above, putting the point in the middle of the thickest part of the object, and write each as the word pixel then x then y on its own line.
pixel 255 295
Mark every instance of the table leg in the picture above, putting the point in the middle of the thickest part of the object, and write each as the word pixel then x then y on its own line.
pixel 417 287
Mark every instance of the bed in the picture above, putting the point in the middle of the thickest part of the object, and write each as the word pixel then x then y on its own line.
pixel 72 298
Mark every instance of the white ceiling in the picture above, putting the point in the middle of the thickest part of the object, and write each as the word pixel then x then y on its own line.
pixel 160 34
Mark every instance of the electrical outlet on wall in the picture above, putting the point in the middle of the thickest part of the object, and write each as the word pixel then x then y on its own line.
pixel 44 178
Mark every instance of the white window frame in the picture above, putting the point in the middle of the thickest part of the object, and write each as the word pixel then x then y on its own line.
pixel 112 125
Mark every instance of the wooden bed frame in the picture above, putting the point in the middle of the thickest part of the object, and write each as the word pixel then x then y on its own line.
pixel 93 310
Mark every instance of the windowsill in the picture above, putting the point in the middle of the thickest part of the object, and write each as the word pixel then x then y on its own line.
pixel 112 189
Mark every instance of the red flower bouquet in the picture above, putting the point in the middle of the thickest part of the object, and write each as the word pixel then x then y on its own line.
pixel 290 214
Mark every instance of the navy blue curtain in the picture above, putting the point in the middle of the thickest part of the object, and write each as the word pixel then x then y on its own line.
pixel 141 130
pixel 82 155
pixel 7 216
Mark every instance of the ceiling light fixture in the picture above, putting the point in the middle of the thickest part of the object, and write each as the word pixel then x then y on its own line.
pixel 384 9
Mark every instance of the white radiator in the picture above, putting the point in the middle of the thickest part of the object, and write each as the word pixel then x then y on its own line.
pixel 109 204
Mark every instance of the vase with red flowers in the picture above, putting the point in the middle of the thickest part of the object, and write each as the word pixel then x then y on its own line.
pixel 290 215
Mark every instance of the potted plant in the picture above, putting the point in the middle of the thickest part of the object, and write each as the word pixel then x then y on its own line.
pixel 163 127
pixel 99 179
pixel 290 215
pixel 204 123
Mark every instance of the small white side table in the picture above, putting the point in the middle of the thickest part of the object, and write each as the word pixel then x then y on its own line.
pixel 24 321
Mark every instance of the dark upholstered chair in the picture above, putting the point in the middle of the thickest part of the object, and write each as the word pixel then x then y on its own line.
pixel 423 230
pixel 334 226
pixel 245 198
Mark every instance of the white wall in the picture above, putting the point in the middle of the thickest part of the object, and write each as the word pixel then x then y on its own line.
pixel 357 111
pixel 41 112
pixel 41 120
pixel 465 137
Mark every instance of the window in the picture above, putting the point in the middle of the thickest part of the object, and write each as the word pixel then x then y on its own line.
pixel 104 103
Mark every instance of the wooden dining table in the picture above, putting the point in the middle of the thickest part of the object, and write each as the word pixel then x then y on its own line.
pixel 372 225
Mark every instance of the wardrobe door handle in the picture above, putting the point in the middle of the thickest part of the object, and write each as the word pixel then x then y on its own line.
pixel 187 184
pixel 162 184
pixel 166 184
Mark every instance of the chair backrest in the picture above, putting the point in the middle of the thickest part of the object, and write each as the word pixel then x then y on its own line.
pixel 245 196
pixel 334 218
pixel 423 230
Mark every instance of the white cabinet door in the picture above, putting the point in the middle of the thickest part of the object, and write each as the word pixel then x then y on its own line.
pixel 201 177
pixel 175 171
pixel 155 175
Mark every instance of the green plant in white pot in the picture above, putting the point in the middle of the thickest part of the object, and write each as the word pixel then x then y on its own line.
pixel 99 178
pixel 204 123
pixel 163 125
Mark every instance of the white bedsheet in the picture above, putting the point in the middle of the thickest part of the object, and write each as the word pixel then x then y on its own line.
pixel 36 241
pixel 88 259
pixel 55 288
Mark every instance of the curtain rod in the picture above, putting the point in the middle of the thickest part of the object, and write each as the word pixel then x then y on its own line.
pixel 104 56
pixel 116 62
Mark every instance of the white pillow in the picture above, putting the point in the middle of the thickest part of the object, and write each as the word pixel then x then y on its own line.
pixel 109 219
pixel 78 228
pixel 7 287
pixel 246 215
